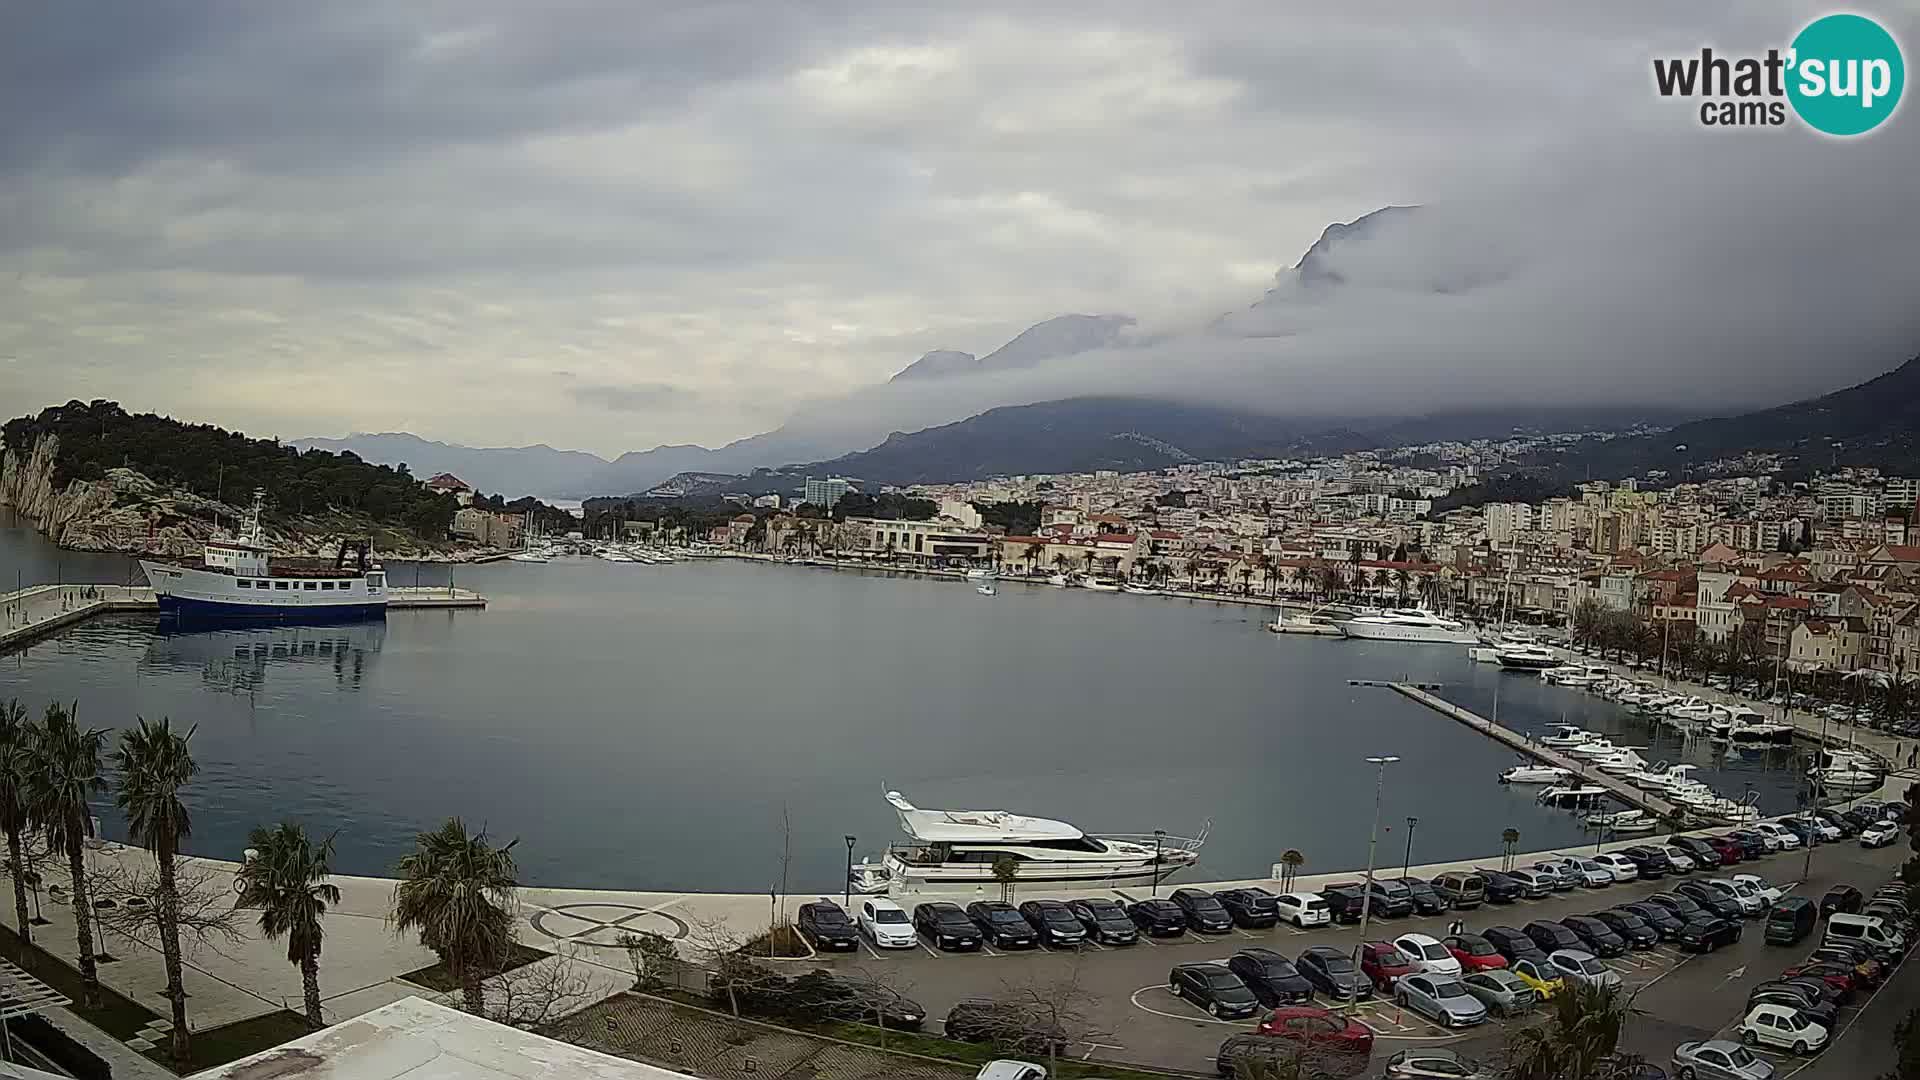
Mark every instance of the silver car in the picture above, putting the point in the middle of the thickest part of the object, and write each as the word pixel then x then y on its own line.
pixel 1501 991
pixel 1719 1059
pixel 1577 967
pixel 1441 998
pixel 1593 875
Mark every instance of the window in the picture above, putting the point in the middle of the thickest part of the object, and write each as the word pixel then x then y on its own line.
pixel 326 586
pixel 310 585
pixel 281 585
pixel 244 583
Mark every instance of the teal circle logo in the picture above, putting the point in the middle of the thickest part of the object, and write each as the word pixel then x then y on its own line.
pixel 1846 74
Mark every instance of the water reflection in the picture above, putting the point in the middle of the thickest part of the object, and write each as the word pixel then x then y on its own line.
pixel 238 660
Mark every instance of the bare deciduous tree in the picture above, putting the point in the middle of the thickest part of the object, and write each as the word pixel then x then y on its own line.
pixel 1043 1016
pixel 539 993
pixel 733 975
pixel 205 902
pixel 654 958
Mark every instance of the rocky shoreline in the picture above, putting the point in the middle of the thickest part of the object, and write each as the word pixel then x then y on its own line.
pixel 128 513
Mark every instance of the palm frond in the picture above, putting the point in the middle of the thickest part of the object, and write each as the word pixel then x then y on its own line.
pixel 154 764
pixel 288 882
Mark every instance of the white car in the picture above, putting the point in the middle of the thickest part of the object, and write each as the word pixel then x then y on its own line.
pixel 1427 954
pixel 1782 1026
pixel 1682 862
pixel 1767 891
pixel 1788 841
pixel 1577 966
pixel 885 923
pixel 1619 866
pixel 1879 834
pixel 1304 909
pixel 1008 1069
pixel 1748 897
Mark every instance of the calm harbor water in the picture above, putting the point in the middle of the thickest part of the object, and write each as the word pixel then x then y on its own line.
pixel 645 726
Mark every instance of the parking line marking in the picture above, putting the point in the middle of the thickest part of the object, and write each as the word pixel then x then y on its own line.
pixel 870 950
pixel 987 949
pixel 931 951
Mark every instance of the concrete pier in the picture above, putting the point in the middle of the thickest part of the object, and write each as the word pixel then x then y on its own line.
pixel 1583 771
pixel 34 612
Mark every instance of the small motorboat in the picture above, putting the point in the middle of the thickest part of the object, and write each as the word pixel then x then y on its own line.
pixel 981 574
pixel 986 589
pixel 1536 774
pixel 1624 821
pixel 1142 590
pixel 1100 586
pixel 869 878
pixel 1573 798
pixel 1526 657
pixel 1562 736
pixel 1058 580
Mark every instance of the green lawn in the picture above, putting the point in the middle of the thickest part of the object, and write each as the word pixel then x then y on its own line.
pixel 437 977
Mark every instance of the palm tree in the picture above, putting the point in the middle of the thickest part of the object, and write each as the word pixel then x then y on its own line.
pixel 16 738
pixel 1511 839
pixel 63 771
pixel 1061 561
pixel 154 765
pixel 1302 575
pixel 457 891
pixel 1331 582
pixel 1381 579
pixel 1579 1041
pixel 1401 579
pixel 1291 860
pixel 287 881
pixel 1034 554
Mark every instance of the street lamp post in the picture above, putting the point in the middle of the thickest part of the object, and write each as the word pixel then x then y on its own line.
pixel 1373 839
pixel 1158 836
pixel 1406 868
pixel 847 899
pixel 1813 803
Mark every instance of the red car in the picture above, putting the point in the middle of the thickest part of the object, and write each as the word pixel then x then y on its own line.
pixel 1840 977
pixel 1321 1030
pixel 1474 952
pixel 1384 964
pixel 1731 851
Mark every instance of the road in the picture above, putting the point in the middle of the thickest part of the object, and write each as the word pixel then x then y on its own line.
pixel 1679 997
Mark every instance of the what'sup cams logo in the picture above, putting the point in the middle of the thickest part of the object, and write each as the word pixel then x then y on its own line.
pixel 1842 76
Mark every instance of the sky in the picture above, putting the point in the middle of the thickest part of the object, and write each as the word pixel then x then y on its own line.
pixel 609 226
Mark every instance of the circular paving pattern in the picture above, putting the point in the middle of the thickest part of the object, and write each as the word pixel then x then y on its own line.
pixel 601 925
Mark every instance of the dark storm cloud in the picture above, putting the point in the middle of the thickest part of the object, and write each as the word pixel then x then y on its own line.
pixel 717 213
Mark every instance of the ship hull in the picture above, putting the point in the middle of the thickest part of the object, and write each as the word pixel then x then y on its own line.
pixel 1419 635
pixel 212 611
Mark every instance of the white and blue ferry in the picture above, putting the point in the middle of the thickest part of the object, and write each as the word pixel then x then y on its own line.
pixel 240 580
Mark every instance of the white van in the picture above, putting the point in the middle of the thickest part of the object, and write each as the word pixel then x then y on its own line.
pixel 1869 930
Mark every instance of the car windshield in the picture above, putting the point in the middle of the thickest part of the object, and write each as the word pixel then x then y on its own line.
pixel 1004 915
pixel 1591 866
pixel 1741 1057
pixel 1592 967
pixel 1629 920
pixel 1339 965
pixel 1388 956
pixel 1449 990
pixel 890 915
pixel 1102 909
pixel 1224 980
pixel 1435 952
pixel 951 917
pixel 1205 903
pixel 1277 968
pixel 829 917
pixel 1475 947
pixel 1058 915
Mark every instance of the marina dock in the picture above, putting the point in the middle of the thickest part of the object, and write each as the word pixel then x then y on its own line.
pixel 1519 741
pixel 36 611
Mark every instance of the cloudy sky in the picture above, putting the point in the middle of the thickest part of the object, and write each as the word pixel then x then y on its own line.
pixel 612 225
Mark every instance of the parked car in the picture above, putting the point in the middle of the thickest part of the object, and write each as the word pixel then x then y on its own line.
pixel 1681 861
pixel 1705 933
pixel 1705 857
pixel 1637 932
pixel 885 923
pixel 1663 920
pixel 1105 921
pixel 1204 913
pixel 1009 1069
pixel 1768 892
pixel 1502 888
pixel 1804 832
pixel 1719 1059
pixel 1014 1028
pixel 1842 898
pixel 1427 954
pixel 1252 907
pixel 1345 900
pixel 946 925
pixel 1839 976
pixel 1500 990
pixel 1272 977
pixel 1474 952
pixel 1533 884
pixel 1780 1026
pixel 1731 851
pixel 1749 898
pixel 1650 862
pixel 1621 867
pixel 825 924
pixel 1440 998
pixel 1592 873
pixel 1433 1064
pixel 1513 944
pixel 1384 964
pixel 1879 834
pixel 1003 925
pixel 1157 918
pixel 1426 900
pixel 1839 822
pixel 1253 1054
pixel 1303 909
pixel 1214 988
pixel 1597 937
pixel 1390 899
pixel 1056 925
pixel 861 1000
pixel 1324 1033
pixel 1332 973
pixel 1868 970
pixel 1785 838
pixel 1793 994
pixel 1754 845
pixel 1461 889
pixel 1711 899
pixel 1560 876
pixel 1539 976
pixel 1550 935
pixel 1683 906
pixel 1581 966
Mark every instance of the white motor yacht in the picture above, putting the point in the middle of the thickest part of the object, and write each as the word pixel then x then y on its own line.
pixel 1598 748
pixel 1536 774
pixel 1627 760
pixel 1573 798
pixel 981 574
pixel 956 849
pixel 1409 625
pixel 1749 727
pixel 1097 585
pixel 986 588
pixel 1527 658
pixel 1058 580
pixel 1138 589
pixel 1847 770
pixel 1562 736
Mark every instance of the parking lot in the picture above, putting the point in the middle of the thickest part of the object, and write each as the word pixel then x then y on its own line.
pixel 1132 1017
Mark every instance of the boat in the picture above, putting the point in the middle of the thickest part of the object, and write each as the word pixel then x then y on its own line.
pixel 979 573
pixel 528 556
pixel 1624 821
pixel 239 579
pixel 1749 728
pixel 1058 580
pixel 1620 763
pixel 1562 736
pixel 1141 590
pixel 1598 748
pixel 957 849
pixel 1100 586
pixel 1527 657
pixel 1409 625
pixel 868 878
pixel 1536 774
pixel 1846 770
pixel 1572 798
pixel 985 589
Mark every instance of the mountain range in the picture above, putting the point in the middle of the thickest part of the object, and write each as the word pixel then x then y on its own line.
pixel 1876 420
